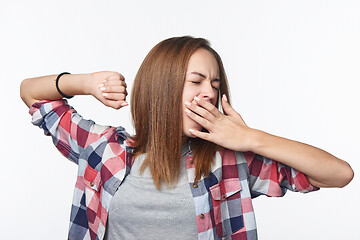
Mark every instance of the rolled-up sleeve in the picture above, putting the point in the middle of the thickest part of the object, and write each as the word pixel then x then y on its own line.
pixel 71 133
pixel 273 179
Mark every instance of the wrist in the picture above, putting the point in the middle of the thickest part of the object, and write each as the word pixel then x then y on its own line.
pixel 255 137
pixel 86 80
pixel 74 84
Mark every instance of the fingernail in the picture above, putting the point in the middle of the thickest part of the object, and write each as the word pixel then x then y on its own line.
pixel 225 98
pixel 197 99
pixel 105 94
pixel 102 88
pixel 187 103
pixel 124 104
pixel 187 111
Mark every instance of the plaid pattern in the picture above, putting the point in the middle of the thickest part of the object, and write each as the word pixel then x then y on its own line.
pixel 222 201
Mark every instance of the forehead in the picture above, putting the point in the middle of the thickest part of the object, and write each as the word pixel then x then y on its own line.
pixel 204 62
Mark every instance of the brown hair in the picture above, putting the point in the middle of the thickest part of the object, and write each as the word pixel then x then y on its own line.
pixel 156 100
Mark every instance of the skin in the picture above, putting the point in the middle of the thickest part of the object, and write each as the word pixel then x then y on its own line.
pixel 199 97
pixel 230 131
pixel 107 87
pixel 202 80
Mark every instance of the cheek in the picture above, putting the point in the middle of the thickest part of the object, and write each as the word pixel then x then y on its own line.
pixel 190 91
pixel 216 98
pixel 189 123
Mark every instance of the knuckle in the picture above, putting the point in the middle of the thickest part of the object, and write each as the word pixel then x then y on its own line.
pixel 205 123
pixel 120 97
pixel 207 115
pixel 116 74
pixel 205 136
pixel 117 105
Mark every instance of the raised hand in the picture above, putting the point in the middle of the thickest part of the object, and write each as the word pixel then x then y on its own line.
pixel 109 88
pixel 228 131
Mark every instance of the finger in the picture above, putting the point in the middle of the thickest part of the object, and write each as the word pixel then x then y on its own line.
pixel 226 106
pixel 115 104
pixel 113 89
pixel 116 76
pixel 208 106
pixel 234 115
pixel 199 134
pixel 200 120
pixel 114 96
pixel 200 111
pixel 113 86
pixel 116 82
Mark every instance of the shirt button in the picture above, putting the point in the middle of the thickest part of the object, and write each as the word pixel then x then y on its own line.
pixel 92 183
pixel 201 216
pixel 195 185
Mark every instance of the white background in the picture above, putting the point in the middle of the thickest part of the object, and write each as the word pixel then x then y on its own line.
pixel 293 69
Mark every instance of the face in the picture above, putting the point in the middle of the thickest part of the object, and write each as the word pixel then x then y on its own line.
pixel 203 81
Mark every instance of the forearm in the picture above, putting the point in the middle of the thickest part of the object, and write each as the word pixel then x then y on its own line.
pixel 43 88
pixel 231 132
pixel 321 168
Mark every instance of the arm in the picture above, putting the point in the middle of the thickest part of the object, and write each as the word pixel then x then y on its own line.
pixel 321 168
pixel 108 87
pixel 71 133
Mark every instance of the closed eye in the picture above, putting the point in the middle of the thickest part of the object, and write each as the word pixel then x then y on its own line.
pixel 197 82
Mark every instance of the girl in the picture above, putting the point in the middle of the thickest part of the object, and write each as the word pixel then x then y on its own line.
pixel 191 170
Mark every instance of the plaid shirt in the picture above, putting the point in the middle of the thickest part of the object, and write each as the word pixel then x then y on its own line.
pixel 222 201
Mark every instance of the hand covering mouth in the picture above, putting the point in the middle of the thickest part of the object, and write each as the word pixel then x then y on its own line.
pixel 195 113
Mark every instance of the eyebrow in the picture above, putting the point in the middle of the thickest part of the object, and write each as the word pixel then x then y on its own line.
pixel 203 76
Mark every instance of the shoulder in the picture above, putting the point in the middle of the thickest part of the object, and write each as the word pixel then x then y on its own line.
pixel 124 139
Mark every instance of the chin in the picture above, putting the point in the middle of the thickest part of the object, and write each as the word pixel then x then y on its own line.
pixel 188 134
pixel 192 125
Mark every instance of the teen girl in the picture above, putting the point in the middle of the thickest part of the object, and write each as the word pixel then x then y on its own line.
pixel 191 170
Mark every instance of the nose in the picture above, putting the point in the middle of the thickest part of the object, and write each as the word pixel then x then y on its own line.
pixel 207 92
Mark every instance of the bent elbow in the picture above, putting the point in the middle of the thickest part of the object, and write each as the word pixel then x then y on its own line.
pixel 22 88
pixel 25 93
pixel 346 176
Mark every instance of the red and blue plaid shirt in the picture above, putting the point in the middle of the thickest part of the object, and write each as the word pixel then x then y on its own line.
pixel 222 201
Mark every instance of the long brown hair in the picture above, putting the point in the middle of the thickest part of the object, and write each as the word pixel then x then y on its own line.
pixel 156 100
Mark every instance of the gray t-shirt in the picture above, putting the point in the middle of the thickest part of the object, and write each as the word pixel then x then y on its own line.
pixel 139 210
